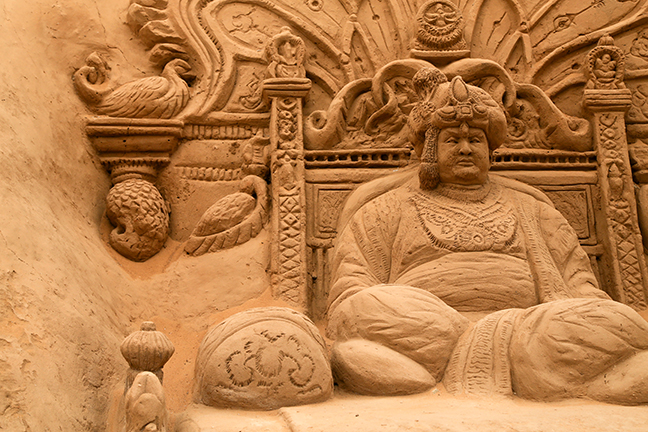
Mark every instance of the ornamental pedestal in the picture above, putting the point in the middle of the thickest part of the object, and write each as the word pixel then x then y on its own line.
pixel 134 151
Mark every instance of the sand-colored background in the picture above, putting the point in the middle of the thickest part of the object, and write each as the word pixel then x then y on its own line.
pixel 67 299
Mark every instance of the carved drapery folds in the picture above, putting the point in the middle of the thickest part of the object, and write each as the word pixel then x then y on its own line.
pixel 608 100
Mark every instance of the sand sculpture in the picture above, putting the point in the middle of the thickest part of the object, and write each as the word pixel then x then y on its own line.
pixel 451 195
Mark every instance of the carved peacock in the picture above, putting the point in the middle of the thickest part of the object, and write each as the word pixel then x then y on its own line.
pixel 161 97
pixel 232 220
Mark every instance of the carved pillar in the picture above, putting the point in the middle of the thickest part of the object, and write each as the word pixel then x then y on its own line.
pixel 639 160
pixel 607 100
pixel 288 188
pixel 284 89
pixel 133 151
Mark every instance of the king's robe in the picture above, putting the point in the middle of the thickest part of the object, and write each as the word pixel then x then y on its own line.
pixel 410 262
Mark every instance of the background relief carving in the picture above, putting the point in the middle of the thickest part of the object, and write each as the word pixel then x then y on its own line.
pixel 176 106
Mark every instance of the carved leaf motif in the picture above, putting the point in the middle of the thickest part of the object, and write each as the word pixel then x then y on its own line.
pixel 141 15
pixel 159 31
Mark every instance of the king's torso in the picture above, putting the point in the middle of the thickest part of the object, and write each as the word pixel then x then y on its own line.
pixel 472 255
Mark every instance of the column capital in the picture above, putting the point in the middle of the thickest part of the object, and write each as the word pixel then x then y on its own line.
pixel 617 100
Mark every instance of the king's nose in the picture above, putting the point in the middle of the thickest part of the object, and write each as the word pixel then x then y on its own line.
pixel 464 147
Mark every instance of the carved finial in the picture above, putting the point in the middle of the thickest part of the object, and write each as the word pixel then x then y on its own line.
pixel 605 65
pixel 606 39
pixel 146 350
pixel 285 54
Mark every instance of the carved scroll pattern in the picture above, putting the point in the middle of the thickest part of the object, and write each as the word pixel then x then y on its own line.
pixel 620 209
pixel 250 364
pixel 263 358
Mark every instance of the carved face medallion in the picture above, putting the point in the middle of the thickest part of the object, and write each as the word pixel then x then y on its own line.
pixel 440 15
pixel 463 156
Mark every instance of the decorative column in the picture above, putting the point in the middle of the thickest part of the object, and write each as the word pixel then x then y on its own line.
pixel 284 89
pixel 133 151
pixel 607 99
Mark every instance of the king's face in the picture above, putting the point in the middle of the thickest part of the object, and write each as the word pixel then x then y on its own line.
pixel 462 155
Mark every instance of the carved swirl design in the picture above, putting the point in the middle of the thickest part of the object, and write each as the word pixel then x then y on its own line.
pixel 141 217
pixel 263 358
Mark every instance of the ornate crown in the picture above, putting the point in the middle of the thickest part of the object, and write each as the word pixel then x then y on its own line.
pixel 461 107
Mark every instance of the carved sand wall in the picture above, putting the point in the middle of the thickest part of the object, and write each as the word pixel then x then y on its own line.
pixel 67 299
pixel 201 177
pixel 61 316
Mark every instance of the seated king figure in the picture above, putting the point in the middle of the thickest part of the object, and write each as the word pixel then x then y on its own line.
pixel 472 279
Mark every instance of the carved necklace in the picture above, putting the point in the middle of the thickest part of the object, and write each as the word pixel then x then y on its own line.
pixel 462 219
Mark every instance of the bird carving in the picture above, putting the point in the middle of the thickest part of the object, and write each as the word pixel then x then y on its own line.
pixel 232 220
pixel 161 97
pixel 91 80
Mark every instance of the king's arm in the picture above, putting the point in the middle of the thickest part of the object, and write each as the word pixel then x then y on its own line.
pixel 362 253
pixel 571 260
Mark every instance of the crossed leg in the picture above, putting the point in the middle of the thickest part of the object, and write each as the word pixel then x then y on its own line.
pixel 400 340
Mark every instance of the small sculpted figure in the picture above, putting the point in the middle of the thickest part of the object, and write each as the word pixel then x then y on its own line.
pixel 605 66
pixel 640 45
pixel 285 53
pixel 470 278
